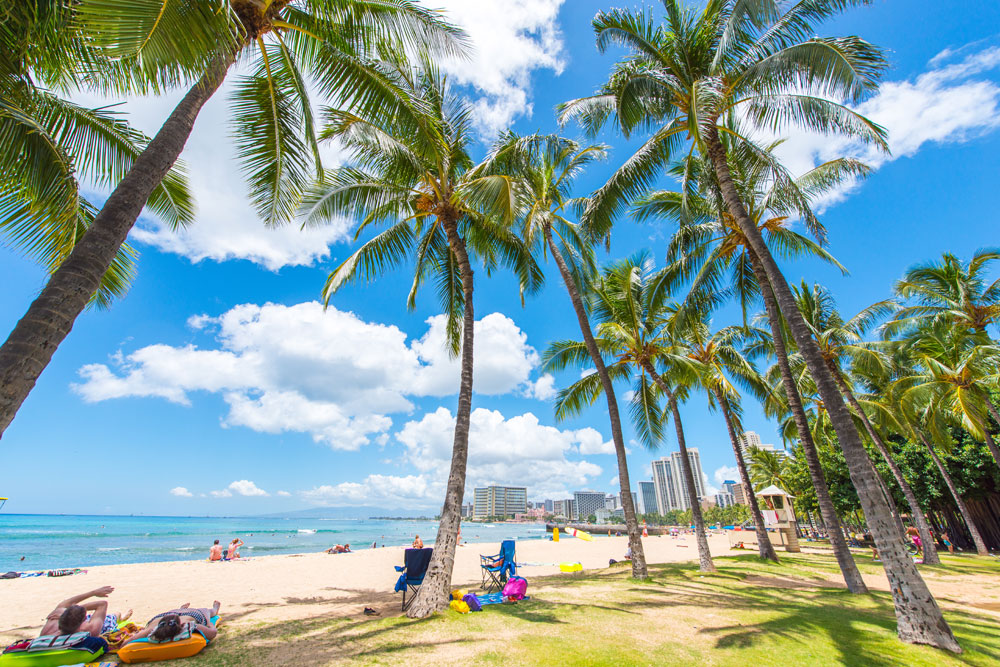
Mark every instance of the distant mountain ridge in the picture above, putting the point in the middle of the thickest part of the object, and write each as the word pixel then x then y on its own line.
pixel 358 512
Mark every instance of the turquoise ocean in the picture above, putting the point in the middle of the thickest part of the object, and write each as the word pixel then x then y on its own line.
pixel 63 541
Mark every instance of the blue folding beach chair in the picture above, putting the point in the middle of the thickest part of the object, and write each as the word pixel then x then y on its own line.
pixel 497 569
pixel 415 562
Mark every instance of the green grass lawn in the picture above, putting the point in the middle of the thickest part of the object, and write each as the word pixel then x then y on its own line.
pixel 749 613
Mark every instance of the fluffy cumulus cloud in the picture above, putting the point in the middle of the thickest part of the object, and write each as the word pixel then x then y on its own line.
pixel 956 99
pixel 544 388
pixel 240 487
pixel 180 492
pixel 385 490
pixel 517 450
pixel 511 39
pixel 725 473
pixel 301 369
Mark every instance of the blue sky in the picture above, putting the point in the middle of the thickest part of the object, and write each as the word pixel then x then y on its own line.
pixel 218 386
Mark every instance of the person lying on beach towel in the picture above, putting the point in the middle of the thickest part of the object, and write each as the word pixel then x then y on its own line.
pixel 339 549
pixel 166 625
pixel 70 616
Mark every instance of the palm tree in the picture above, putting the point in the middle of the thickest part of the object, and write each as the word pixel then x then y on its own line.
pixel 951 291
pixel 709 245
pixel 719 362
pixel 955 369
pixel 630 304
pixel 160 44
pixel 841 342
pixel 915 422
pixel 50 141
pixel 684 80
pixel 414 173
pixel 546 167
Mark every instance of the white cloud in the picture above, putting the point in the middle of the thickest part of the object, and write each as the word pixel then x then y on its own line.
pixel 226 225
pixel 726 473
pixel 283 494
pixel 224 493
pixel 946 104
pixel 302 369
pixel 245 487
pixel 180 492
pixel 518 450
pixel 592 442
pixel 544 388
pixel 387 490
pixel 512 38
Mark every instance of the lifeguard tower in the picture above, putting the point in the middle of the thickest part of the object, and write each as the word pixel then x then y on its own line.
pixel 779 515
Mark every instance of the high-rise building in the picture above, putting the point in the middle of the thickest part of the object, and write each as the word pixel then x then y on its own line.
pixel 668 481
pixel 723 499
pixel 548 506
pixel 610 501
pixel 500 501
pixel 564 508
pixel 735 491
pixel 751 439
pixel 587 502
pixel 648 503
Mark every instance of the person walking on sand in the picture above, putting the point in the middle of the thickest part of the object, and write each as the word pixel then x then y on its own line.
pixel 418 543
pixel 215 553
pixel 70 617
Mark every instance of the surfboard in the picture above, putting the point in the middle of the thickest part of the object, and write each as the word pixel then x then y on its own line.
pixel 580 534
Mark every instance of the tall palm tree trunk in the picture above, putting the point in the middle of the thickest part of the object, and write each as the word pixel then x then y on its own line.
pixel 916 512
pixel 764 546
pixel 639 570
pixel 990 442
pixel 918 617
pixel 848 568
pixel 435 592
pixel 50 317
pixel 704 555
pixel 963 509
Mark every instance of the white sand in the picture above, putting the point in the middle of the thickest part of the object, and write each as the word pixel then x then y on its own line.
pixel 272 588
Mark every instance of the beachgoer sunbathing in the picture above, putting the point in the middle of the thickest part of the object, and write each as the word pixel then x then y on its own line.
pixel 215 553
pixel 418 543
pixel 169 624
pixel 70 616
pixel 339 549
pixel 234 549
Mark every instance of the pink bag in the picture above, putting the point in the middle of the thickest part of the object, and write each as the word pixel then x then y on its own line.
pixel 515 588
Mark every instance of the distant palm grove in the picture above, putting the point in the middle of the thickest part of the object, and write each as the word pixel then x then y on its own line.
pixel 892 412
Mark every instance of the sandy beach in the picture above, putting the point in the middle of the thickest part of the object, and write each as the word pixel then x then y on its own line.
pixel 274 588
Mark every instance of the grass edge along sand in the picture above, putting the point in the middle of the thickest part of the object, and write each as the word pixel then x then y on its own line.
pixel 749 613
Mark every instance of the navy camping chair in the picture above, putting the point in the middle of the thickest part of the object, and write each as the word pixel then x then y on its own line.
pixel 497 569
pixel 415 562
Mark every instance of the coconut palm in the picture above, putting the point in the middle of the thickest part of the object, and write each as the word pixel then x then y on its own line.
pixel 682 81
pixel 955 369
pixel 414 174
pixel 711 248
pixel 842 344
pixel 546 167
pixel 50 143
pixel 920 422
pixel 951 291
pixel 287 47
pixel 631 307
pixel 721 366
